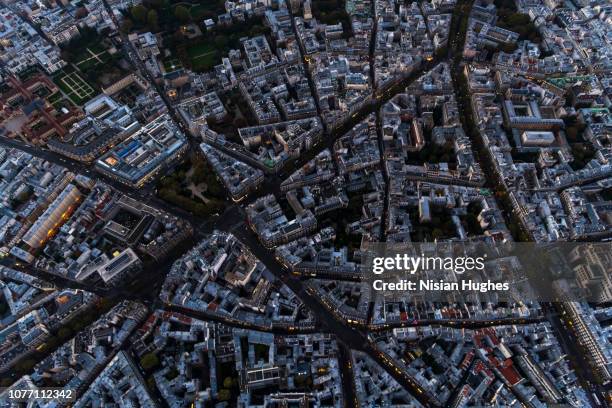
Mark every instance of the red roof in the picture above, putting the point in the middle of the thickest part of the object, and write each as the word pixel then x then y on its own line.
pixel 467 359
pixel 510 374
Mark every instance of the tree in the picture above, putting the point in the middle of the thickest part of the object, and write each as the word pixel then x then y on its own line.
pixel 572 133
pixel 172 374
pixel 182 14
pixel 505 4
pixel 224 394
pixel 152 20
pixel 472 224
pixel 228 382
pixel 441 52
pixel 178 38
pixel 25 365
pixel 300 380
pixel 151 383
pixel 239 122
pixel 64 333
pixel 149 361
pixel 257 30
pixel 156 4
pixel 76 324
pixel 126 25
pixel 52 342
pixel 81 13
pixel 66 54
pixel 139 13
pixel 438 115
pixel 213 187
pixel 199 173
pixel 437 233
pixel 221 41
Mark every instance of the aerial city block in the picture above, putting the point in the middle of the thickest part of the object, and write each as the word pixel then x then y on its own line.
pixel 191 193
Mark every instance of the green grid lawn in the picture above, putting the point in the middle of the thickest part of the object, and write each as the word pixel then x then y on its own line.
pixel 75 87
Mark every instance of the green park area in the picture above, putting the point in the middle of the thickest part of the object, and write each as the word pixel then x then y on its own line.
pixel 196 48
pixel 441 225
pixel 582 150
pixel 87 51
pixel 154 15
pixel 207 9
pixel 332 12
pixel 583 153
pixel 204 52
pixel 432 153
pixel 194 187
pixel 96 62
pixel 168 15
pixel 339 218
pixel 74 86
pixel 520 23
pixel 91 56
pixel 203 56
